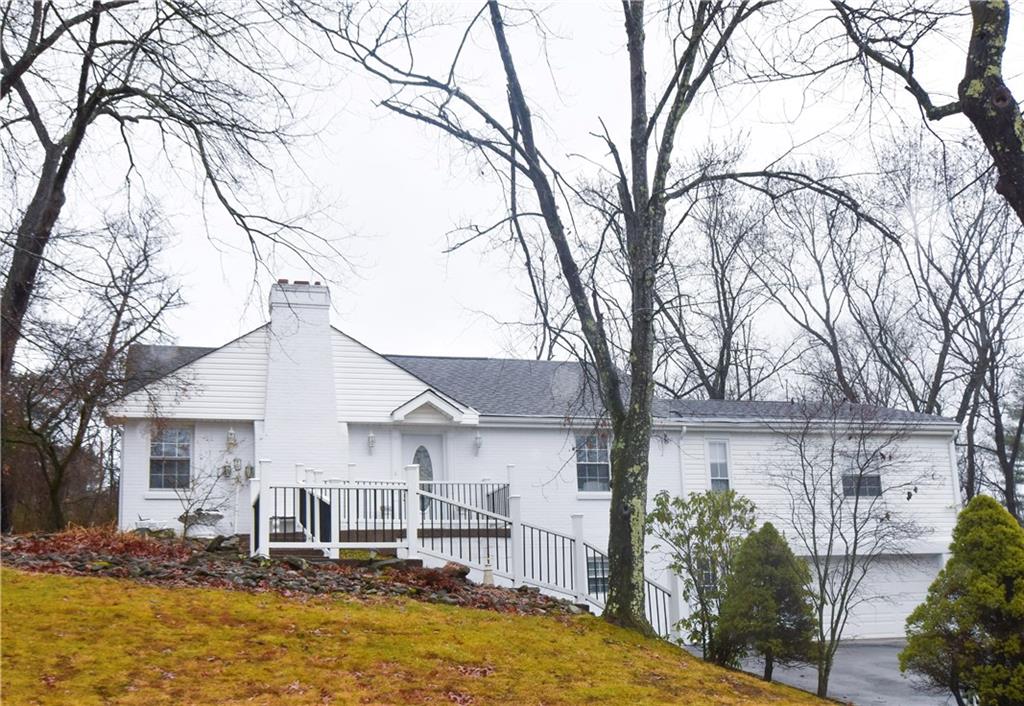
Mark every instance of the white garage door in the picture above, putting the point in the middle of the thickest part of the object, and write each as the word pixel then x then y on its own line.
pixel 894 586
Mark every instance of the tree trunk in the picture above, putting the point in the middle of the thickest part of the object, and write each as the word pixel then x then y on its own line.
pixel 629 460
pixel 33 236
pixel 769 665
pixel 7 500
pixel 824 670
pixel 987 102
pixel 57 519
pixel 1010 490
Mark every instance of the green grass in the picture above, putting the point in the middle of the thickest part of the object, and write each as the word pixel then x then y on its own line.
pixel 90 641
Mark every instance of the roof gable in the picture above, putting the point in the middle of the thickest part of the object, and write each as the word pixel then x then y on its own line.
pixel 428 406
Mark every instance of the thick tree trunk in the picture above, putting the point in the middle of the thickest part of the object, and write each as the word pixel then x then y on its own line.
pixel 769 665
pixel 33 236
pixel 630 458
pixel 987 102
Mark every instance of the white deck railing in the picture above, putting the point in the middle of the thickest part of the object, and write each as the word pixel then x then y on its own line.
pixel 476 524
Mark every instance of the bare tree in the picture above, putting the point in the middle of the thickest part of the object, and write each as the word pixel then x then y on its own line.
pixel 203 501
pixel 198 76
pixel 608 233
pixel 888 35
pixel 383 43
pixel 78 345
pixel 930 322
pixel 845 496
pixel 710 299
pixel 811 242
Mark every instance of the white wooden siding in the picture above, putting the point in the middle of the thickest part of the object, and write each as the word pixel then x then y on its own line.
pixel 209 453
pixel 368 386
pixel 228 383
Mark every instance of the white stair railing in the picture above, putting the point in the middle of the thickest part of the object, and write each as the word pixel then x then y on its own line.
pixel 408 516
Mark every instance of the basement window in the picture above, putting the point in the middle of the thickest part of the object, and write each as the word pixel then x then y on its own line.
pixel 597 575
pixel 170 458
pixel 867 485
pixel 593 464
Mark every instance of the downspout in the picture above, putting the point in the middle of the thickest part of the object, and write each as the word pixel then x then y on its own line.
pixel 682 465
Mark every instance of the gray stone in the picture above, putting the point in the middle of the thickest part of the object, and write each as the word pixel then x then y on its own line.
pixel 455 569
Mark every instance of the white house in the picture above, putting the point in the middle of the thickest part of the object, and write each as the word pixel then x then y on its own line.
pixel 298 404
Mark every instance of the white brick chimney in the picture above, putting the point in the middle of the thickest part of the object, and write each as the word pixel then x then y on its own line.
pixel 300 423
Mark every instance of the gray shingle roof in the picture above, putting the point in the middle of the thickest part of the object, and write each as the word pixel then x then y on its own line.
pixel 783 410
pixel 550 388
pixel 508 387
pixel 148 363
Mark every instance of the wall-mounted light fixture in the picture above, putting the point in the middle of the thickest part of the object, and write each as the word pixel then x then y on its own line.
pixel 237 463
pixel 232 438
pixel 478 441
pixel 371 441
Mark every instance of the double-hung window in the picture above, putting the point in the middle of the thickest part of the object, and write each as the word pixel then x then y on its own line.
pixel 865 485
pixel 593 464
pixel 170 458
pixel 718 464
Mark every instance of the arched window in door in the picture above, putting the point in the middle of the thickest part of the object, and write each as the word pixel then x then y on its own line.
pixel 422 459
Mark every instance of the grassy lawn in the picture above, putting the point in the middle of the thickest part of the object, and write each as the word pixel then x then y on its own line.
pixel 73 640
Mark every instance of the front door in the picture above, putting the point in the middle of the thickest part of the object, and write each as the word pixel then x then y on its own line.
pixel 426 451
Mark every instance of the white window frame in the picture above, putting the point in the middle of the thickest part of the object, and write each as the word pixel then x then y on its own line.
pixel 190 428
pixel 708 443
pixel 591 494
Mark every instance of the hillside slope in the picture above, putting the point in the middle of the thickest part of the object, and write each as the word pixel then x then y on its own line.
pixel 96 640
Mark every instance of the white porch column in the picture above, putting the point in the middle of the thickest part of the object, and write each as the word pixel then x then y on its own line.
pixel 579 560
pixel 254 493
pixel 412 511
pixel 265 502
pixel 675 603
pixel 516 540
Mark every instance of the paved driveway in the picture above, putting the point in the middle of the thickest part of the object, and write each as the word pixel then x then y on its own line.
pixel 866 673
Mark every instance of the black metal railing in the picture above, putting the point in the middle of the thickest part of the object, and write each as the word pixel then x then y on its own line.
pixel 656 607
pixel 472 536
pixel 370 514
pixel 597 574
pixel 657 600
pixel 548 558
pixel 293 514
pixel 366 515
pixel 493 497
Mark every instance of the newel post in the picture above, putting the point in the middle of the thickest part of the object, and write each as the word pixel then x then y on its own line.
pixel 263 519
pixel 580 578
pixel 515 512
pixel 675 603
pixel 412 511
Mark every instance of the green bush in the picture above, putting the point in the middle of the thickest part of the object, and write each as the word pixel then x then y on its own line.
pixel 702 532
pixel 766 607
pixel 968 635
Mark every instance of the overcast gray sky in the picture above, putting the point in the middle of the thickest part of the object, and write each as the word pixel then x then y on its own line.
pixel 393 189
